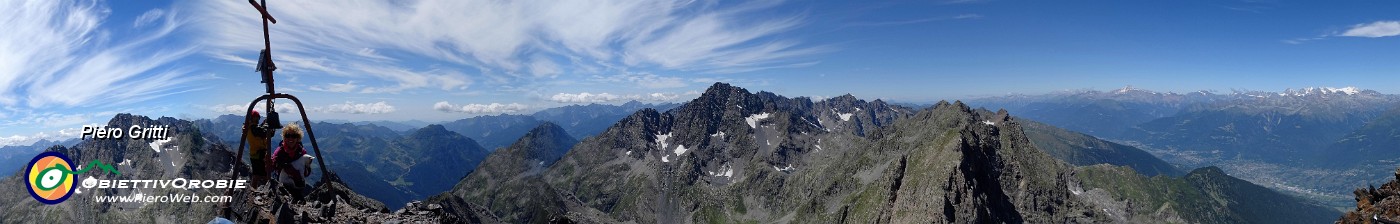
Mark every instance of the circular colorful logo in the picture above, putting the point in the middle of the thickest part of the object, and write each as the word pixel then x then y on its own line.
pixel 50 177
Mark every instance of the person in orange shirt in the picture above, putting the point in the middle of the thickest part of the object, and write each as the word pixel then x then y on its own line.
pixel 259 141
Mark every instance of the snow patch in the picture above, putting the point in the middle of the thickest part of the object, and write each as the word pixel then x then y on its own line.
pixel 661 140
pixel 810 122
pixel 680 149
pixel 718 134
pixel 857 109
pixel 124 162
pixel 664 158
pixel 986 122
pixel 786 168
pixel 1348 90
pixel 629 153
pixel 753 120
pixel 1321 90
pixel 845 116
pixel 724 171
pixel 158 143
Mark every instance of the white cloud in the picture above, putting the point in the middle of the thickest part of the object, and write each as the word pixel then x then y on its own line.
pixel 968 16
pixel 359 108
pixel 407 79
pixel 542 67
pixel 54 120
pixel 371 53
pixel 348 86
pixel 645 80
pixel 239 109
pixel 660 97
pixel 1374 29
pixel 148 17
pixel 503 37
pixel 586 97
pixel 493 108
pixel 914 21
pixel 57 135
pixel 56 53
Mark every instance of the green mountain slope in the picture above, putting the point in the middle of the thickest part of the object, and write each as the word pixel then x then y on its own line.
pixel 1084 150
pixel 1206 195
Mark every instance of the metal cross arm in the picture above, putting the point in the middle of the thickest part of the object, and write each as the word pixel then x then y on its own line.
pixel 263 10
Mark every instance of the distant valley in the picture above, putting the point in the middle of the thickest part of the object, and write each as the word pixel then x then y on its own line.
pixel 1318 142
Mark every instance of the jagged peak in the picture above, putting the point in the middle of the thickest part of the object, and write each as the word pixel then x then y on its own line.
pixel 633 103
pixel 437 131
pixel 125 119
pixel 546 142
pixel 941 103
pixel 1125 89
pixel 1349 90
pixel 432 128
pixel 547 129
pixel 962 106
pixel 847 96
pixel 723 89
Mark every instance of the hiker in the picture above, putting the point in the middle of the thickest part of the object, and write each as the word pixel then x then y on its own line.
pixel 259 142
pixel 287 155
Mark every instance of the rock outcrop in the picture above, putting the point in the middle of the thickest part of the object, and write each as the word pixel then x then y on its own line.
pixel 1376 205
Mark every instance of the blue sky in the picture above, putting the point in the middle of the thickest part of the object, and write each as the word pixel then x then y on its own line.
pixel 68 63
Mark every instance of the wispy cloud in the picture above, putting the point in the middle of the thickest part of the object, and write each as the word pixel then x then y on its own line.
pixel 586 97
pixel 645 80
pixel 54 120
pixel 239 109
pixel 56 53
pixel 1303 40
pixel 359 108
pixel 914 21
pixel 56 135
pixel 348 86
pixel 1374 29
pixel 511 40
pixel 493 108
pixel 1377 29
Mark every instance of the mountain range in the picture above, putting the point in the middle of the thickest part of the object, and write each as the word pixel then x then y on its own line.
pixel 728 156
pixel 580 121
pixel 734 156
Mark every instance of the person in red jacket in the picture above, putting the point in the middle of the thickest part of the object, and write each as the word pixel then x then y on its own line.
pixel 286 154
